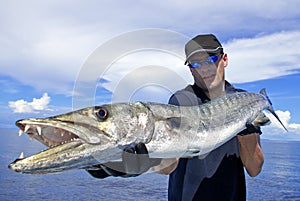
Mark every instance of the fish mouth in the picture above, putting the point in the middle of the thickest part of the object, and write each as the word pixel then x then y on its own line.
pixel 50 136
pixel 60 143
pixel 71 145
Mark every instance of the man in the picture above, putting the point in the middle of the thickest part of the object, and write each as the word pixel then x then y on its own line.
pixel 220 174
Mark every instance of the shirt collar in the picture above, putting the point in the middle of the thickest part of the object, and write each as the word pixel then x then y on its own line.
pixel 200 93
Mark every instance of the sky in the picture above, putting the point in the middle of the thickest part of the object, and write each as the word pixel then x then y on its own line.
pixel 57 56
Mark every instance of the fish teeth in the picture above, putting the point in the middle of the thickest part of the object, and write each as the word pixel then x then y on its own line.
pixel 26 128
pixel 21 155
pixel 20 133
pixel 39 129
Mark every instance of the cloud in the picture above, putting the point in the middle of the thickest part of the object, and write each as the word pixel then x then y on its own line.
pixel 37 104
pixel 54 38
pixel 149 77
pixel 263 57
pixel 275 128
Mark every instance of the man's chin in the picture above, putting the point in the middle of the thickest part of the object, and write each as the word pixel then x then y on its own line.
pixel 210 86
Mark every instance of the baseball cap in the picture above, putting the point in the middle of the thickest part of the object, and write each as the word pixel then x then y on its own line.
pixel 203 43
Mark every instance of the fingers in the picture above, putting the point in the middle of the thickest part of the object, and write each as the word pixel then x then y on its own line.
pixel 141 148
pixel 136 159
pixel 253 129
pixel 250 129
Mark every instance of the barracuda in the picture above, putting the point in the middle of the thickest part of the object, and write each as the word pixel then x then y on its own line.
pixel 93 135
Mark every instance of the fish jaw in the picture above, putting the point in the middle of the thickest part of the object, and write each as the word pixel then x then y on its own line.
pixel 65 152
pixel 72 155
pixel 67 149
pixel 52 160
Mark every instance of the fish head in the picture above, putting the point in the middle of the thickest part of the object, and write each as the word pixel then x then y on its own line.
pixel 84 137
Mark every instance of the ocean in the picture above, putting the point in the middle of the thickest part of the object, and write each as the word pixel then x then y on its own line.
pixel 279 179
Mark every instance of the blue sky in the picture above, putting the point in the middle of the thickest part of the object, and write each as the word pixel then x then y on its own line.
pixel 46 46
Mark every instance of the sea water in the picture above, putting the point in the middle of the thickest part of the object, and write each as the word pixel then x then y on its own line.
pixel 279 179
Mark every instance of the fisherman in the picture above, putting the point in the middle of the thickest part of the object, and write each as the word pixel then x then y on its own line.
pixel 220 174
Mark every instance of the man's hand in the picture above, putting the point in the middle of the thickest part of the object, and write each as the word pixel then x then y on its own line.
pixel 250 129
pixel 135 161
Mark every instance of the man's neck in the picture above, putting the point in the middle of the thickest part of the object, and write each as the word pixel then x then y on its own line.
pixel 216 91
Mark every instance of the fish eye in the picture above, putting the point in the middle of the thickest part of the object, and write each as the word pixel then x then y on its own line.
pixel 102 114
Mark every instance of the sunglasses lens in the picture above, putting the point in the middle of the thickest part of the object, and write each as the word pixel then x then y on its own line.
pixel 195 64
pixel 209 60
pixel 212 59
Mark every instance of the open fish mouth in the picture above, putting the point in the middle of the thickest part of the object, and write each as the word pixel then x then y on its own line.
pixel 59 141
pixel 48 135
pixel 72 140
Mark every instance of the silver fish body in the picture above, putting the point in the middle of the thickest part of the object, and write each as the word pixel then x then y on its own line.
pixel 94 135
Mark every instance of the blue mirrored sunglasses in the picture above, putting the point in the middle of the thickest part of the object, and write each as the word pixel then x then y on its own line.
pixel 209 60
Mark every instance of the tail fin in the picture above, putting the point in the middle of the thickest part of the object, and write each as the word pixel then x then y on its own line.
pixel 264 93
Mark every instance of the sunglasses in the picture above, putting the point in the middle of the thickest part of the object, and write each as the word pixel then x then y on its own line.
pixel 209 60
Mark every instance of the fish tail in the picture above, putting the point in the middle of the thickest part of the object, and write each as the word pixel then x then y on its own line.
pixel 270 108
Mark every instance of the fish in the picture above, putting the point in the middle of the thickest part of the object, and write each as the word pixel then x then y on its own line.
pixel 96 135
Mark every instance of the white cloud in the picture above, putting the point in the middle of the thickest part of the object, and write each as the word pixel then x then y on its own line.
pixel 53 38
pixel 275 127
pixel 149 74
pixel 37 104
pixel 263 57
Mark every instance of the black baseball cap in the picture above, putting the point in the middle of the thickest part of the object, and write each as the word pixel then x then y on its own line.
pixel 203 43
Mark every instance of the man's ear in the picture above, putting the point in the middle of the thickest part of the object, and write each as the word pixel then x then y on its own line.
pixel 225 59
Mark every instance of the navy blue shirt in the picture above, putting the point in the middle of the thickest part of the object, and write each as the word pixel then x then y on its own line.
pixel 216 176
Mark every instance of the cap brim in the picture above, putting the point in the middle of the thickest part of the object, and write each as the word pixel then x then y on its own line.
pixel 216 50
